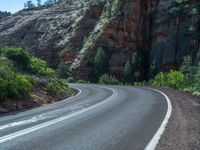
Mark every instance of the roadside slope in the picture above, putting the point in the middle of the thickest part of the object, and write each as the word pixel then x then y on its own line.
pixel 183 130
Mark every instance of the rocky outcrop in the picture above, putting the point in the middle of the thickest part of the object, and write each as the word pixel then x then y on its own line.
pixel 171 35
pixel 71 32
pixel 146 28
pixel 4 14
pixel 54 33
pixel 122 37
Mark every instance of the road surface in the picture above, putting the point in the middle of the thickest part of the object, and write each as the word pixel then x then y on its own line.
pixel 98 118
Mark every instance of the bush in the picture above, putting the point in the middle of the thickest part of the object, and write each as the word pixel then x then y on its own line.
pixel 14 86
pixel 40 67
pixel 159 80
pixel 174 79
pixel 144 83
pixel 197 78
pixel 70 80
pixel 81 81
pixel 56 87
pixel 32 79
pixel 18 86
pixel 108 79
pixel 5 67
pixel 19 56
pixel 3 89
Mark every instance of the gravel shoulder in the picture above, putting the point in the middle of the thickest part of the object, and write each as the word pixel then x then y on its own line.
pixel 183 129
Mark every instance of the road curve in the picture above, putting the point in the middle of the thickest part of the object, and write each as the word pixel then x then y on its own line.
pixel 98 118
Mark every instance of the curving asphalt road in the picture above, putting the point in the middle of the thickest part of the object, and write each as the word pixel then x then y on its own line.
pixel 98 118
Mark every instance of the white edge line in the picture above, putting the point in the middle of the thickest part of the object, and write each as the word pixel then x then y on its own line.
pixel 154 141
pixel 43 125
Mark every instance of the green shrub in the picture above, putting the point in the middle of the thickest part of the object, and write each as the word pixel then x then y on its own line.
pixel 14 86
pixel 144 83
pixel 190 89
pixel 40 67
pixel 32 79
pixel 108 79
pixel 81 81
pixel 197 78
pixel 70 80
pixel 174 79
pixel 3 89
pixel 18 86
pixel 196 93
pixel 159 80
pixel 19 56
pixel 56 87
pixel 4 71
pixel 25 62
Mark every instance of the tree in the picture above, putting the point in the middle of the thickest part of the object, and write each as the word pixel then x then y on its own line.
pixel 49 2
pixel 63 71
pixel 100 63
pixel 29 4
pixel 39 3
pixel 188 70
pixel 154 69
pixel 25 5
pixel 128 72
pixel 136 60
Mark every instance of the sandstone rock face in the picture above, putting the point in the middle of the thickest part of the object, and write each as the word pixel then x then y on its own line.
pixel 148 28
pixel 50 32
pixel 172 39
pixel 64 32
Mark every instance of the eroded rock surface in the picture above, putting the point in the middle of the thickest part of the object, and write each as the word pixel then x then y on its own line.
pixel 67 31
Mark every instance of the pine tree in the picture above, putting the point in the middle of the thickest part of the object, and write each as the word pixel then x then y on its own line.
pixel 49 2
pixel 153 70
pixel 100 63
pixel 39 3
pixel 188 69
pixel 29 5
pixel 128 72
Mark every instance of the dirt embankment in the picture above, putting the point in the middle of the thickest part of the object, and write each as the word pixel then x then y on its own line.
pixel 183 129
pixel 37 98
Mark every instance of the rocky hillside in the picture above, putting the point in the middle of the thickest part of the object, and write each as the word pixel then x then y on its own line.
pixel 4 14
pixel 159 31
pixel 49 32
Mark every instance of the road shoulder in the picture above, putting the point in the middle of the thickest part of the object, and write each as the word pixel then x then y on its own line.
pixel 183 129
